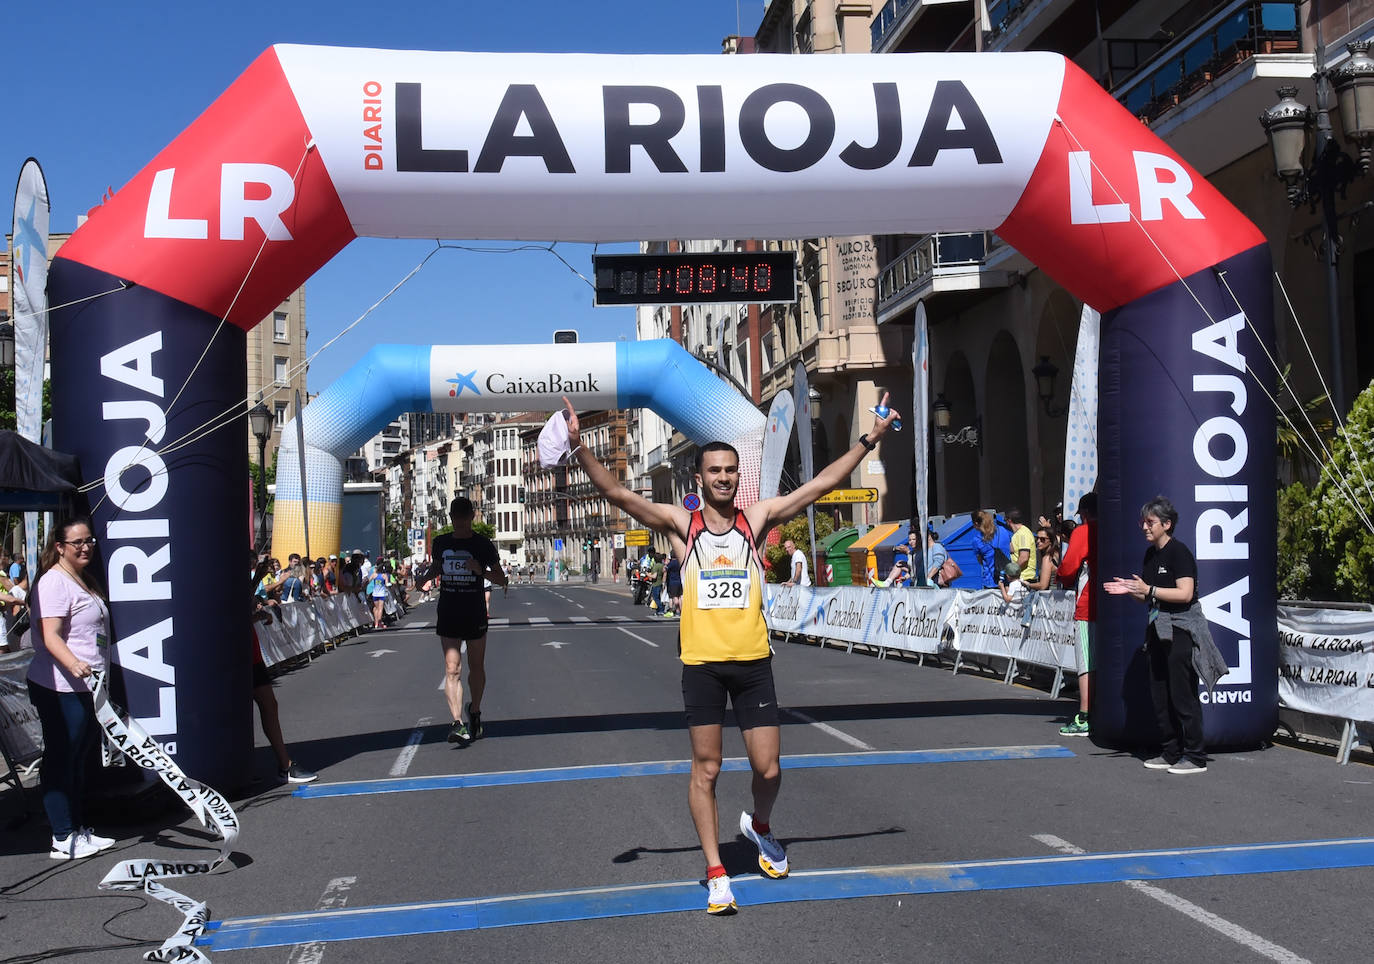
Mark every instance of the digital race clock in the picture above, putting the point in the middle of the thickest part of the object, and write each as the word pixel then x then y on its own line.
pixel 763 277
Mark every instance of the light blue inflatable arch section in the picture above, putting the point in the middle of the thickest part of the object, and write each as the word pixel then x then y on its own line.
pixel 390 379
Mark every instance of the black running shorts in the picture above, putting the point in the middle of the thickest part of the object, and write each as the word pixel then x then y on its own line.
pixel 749 686
pixel 462 622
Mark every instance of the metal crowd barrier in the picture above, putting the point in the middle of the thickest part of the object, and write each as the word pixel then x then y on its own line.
pixel 934 622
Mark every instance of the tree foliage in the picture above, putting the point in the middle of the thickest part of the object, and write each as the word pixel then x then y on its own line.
pixel 796 530
pixel 1325 537
pixel 8 418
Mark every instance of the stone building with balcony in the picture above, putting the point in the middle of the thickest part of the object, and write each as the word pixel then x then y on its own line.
pixel 1199 74
pixel 561 502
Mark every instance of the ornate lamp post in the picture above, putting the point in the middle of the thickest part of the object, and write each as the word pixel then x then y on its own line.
pixel 260 420
pixel 1331 169
pixel 971 435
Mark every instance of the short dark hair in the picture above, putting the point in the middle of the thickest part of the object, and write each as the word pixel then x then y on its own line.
pixel 716 447
pixel 1087 505
pixel 461 508
pixel 1014 515
pixel 1162 509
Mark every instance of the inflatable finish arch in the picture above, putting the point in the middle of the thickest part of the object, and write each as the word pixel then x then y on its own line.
pixel 313 146
pixel 391 379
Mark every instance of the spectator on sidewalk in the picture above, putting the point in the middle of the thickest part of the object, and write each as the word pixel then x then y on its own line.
pixel 1077 570
pixel 796 573
pixel 268 715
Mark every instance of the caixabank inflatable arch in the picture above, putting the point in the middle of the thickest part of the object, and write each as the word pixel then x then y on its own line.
pixel 314 146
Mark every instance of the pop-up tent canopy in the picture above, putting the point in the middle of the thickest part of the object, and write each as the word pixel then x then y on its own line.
pixel 33 478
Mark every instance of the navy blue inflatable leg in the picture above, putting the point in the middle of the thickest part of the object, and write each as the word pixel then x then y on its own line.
pixel 174 528
pixel 1182 415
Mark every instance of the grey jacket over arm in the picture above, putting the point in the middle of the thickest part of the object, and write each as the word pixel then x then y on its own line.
pixel 1208 662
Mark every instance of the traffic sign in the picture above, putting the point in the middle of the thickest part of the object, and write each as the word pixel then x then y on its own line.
pixel 691 502
pixel 848 496
pixel 619 538
pixel 637 537
pixel 558 545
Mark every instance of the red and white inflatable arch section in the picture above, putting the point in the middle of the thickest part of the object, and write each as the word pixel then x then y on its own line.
pixel 314 146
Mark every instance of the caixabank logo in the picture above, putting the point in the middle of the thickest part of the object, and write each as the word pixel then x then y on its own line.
pixel 547 383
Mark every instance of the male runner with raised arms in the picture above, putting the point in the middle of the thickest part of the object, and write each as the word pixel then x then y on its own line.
pixel 461 561
pixel 723 640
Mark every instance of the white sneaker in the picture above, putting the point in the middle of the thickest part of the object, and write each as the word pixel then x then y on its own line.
pixel 720 899
pixel 772 858
pixel 74 846
pixel 100 843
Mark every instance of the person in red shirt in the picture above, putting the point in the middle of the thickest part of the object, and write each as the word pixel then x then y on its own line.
pixel 1076 570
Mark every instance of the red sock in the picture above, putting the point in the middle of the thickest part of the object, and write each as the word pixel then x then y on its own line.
pixel 759 828
pixel 713 872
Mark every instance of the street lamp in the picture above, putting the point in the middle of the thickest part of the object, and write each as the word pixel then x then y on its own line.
pixel 1045 373
pixel 260 422
pixel 813 400
pixel 6 341
pixel 1331 169
pixel 971 435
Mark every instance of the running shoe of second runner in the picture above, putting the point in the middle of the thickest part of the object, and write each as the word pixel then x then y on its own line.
pixel 720 899
pixel 772 858
pixel 458 733
pixel 475 723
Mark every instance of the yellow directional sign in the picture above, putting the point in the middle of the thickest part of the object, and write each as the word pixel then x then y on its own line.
pixel 848 496
pixel 637 537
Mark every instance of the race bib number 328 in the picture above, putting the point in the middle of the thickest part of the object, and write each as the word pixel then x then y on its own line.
pixel 723 589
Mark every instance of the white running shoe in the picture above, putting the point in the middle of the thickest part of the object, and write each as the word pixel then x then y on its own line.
pixel 772 858
pixel 100 843
pixel 74 846
pixel 720 899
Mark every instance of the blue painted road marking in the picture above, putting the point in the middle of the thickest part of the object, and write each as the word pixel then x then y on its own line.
pixel 672 896
pixel 460 781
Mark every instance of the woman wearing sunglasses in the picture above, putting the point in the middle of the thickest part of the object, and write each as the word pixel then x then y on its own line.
pixel 70 640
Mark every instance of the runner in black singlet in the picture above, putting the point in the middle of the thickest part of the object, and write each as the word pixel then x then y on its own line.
pixel 460 563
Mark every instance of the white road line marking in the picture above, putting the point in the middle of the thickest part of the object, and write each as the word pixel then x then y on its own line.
pixel 638 637
pixel 540 621
pixel 843 737
pixel 619 619
pixel 335 897
pixel 1261 946
pixel 580 619
pixel 580 606
pixel 402 764
pixel 498 621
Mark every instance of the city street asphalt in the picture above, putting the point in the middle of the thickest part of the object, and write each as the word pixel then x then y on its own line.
pixel 927 817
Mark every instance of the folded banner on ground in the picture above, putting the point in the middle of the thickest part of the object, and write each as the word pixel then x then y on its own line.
pixel 1326 662
pixel 209 807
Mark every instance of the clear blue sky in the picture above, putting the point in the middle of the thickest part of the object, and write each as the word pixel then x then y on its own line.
pixel 95 90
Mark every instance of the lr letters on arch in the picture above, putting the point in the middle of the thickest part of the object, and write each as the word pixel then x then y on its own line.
pixel 314 146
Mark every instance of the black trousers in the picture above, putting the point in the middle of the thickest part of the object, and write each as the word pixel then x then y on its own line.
pixel 1173 687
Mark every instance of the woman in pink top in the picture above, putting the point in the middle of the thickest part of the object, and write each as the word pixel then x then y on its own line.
pixel 71 626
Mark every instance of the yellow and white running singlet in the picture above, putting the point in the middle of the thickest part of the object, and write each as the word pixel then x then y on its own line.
pixel 722 595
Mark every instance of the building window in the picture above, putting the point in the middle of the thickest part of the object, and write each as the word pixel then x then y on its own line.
pixel 280 411
pixel 279 370
pixel 279 325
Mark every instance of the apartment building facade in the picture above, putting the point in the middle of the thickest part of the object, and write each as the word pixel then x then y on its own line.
pixel 277 368
pixel 563 505
pixel 1198 74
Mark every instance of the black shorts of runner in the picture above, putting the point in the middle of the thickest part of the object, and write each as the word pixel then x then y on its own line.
pixel 462 622
pixel 749 686
pixel 260 675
